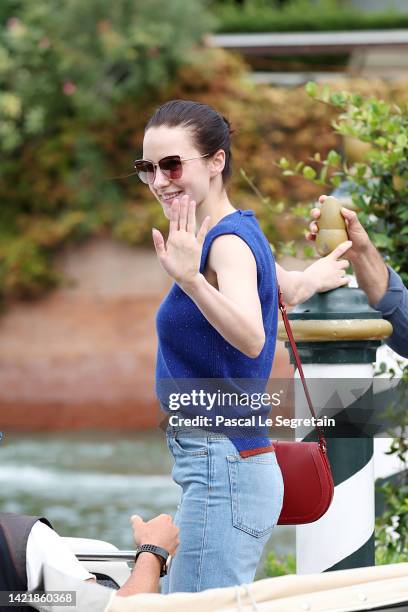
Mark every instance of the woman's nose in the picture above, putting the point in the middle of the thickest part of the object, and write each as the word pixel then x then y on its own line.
pixel 160 179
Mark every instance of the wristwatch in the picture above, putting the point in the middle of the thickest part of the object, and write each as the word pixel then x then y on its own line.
pixel 160 553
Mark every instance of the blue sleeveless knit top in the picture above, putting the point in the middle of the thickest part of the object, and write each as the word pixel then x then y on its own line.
pixel 189 347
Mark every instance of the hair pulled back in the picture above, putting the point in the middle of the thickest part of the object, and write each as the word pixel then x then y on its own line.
pixel 211 131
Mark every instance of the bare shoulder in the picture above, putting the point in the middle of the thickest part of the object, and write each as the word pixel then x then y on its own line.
pixel 230 249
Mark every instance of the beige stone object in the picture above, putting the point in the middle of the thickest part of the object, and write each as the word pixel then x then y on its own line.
pixel 332 330
pixel 332 229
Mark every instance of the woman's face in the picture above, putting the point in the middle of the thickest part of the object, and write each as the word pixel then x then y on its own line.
pixel 163 141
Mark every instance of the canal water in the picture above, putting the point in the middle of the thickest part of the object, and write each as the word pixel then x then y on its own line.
pixel 89 484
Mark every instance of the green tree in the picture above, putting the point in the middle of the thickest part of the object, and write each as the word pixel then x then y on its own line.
pixel 378 185
pixel 80 58
pixel 67 70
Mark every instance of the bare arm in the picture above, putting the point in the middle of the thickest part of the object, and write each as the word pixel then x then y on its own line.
pixel 369 267
pixel 144 577
pixel 372 274
pixel 160 531
pixel 293 286
pixel 324 274
pixel 234 309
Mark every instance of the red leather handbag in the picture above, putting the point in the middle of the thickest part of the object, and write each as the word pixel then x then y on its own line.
pixel 307 477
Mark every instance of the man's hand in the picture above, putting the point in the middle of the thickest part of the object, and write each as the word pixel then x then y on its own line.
pixel 369 268
pixel 355 231
pixel 160 531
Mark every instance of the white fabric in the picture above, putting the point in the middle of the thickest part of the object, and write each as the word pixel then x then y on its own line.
pixel 89 596
pixel 340 591
pixel 46 547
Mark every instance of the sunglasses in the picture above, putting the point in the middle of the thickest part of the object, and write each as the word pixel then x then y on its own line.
pixel 171 167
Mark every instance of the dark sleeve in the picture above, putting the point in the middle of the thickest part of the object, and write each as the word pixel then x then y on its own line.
pixel 394 308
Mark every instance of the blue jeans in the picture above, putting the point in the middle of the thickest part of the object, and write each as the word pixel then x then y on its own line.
pixel 229 506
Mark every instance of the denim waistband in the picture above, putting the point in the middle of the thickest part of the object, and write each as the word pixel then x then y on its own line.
pixel 195 432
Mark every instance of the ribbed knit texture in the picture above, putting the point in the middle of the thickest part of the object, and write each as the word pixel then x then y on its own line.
pixel 190 348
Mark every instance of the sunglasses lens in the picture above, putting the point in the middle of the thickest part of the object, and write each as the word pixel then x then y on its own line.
pixel 145 171
pixel 171 167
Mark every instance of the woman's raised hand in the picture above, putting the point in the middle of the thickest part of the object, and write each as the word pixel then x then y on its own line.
pixel 180 256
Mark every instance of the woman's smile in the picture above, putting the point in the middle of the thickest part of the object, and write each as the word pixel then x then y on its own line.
pixel 168 197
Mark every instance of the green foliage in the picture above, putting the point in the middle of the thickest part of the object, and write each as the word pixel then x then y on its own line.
pixel 301 16
pixel 24 270
pixel 56 187
pixel 59 188
pixel 68 79
pixel 81 57
pixel 392 526
pixel 378 185
pixel 276 566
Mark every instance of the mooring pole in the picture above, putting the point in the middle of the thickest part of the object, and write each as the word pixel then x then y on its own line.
pixel 337 334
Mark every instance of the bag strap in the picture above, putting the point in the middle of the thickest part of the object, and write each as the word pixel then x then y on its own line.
pixel 282 308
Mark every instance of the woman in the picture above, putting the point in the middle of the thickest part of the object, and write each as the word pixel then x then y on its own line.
pixel 218 322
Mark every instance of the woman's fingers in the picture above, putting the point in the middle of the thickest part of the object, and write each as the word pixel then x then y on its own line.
pixel 184 205
pixel 340 250
pixel 203 230
pixel 182 216
pixel 344 264
pixel 174 215
pixel 191 218
pixel 158 242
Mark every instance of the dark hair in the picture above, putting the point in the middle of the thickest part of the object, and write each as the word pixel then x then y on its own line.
pixel 211 131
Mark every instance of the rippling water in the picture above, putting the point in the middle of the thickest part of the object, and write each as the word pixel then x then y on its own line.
pixel 88 484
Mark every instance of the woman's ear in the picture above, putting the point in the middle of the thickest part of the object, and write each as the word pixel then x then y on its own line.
pixel 217 162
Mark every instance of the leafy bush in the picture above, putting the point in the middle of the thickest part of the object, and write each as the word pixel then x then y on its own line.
pixel 277 566
pixel 302 16
pixel 67 74
pixel 80 58
pixel 56 185
pixel 391 532
pixel 378 185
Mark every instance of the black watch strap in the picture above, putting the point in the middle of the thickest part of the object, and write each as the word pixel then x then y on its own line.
pixel 161 553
